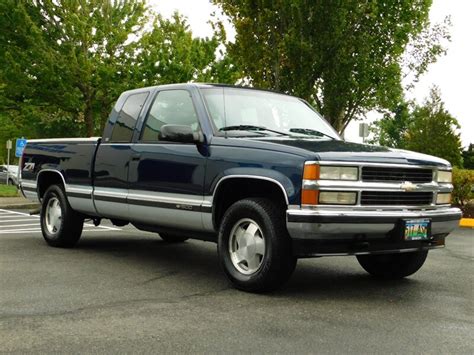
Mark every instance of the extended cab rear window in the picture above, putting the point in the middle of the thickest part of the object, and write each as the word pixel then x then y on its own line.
pixel 127 118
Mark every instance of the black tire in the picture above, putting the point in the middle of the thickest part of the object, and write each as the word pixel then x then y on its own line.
pixel 277 262
pixel 393 266
pixel 11 182
pixel 171 238
pixel 69 229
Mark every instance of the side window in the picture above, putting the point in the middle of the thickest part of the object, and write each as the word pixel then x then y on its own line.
pixel 127 118
pixel 169 107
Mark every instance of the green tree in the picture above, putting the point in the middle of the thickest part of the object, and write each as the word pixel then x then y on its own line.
pixel 433 131
pixel 344 56
pixel 391 129
pixel 68 54
pixel 64 62
pixel 170 54
pixel 468 157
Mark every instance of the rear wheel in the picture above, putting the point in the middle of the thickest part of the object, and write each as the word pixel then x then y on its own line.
pixel 393 266
pixel 254 246
pixel 171 238
pixel 60 224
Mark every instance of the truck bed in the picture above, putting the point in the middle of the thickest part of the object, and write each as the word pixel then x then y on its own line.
pixel 72 157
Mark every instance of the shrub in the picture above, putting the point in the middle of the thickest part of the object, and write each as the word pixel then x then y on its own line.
pixel 463 181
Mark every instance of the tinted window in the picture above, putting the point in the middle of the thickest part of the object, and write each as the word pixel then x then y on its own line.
pixel 170 107
pixel 127 118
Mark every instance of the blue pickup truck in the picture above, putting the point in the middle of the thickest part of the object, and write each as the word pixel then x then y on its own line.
pixel 260 173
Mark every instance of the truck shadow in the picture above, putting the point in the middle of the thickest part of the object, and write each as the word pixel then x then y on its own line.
pixel 332 277
pixel 323 278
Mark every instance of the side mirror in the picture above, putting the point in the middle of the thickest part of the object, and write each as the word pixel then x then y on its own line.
pixel 179 133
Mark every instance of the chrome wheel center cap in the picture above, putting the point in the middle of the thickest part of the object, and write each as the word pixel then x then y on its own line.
pixel 53 215
pixel 246 246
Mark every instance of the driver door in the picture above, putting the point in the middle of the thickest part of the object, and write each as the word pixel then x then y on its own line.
pixel 166 178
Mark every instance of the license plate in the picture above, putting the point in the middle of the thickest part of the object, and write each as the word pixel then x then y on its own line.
pixel 416 229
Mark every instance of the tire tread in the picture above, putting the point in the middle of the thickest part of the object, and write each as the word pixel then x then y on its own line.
pixel 279 266
pixel 72 222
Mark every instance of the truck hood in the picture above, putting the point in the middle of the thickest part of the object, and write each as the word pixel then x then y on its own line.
pixel 338 150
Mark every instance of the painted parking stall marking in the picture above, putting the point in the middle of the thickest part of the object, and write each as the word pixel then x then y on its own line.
pixel 13 222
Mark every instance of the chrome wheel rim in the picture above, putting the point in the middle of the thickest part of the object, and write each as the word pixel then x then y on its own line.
pixel 53 216
pixel 246 246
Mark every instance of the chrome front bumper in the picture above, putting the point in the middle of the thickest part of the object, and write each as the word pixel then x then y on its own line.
pixel 340 224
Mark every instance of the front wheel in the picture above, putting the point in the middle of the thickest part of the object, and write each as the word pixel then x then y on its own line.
pixel 60 224
pixel 393 266
pixel 254 246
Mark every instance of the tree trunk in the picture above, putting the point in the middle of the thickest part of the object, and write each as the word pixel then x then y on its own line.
pixel 336 121
pixel 89 119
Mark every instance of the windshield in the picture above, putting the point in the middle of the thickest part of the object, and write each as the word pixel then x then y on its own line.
pixel 265 112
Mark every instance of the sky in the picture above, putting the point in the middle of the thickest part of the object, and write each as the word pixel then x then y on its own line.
pixel 452 73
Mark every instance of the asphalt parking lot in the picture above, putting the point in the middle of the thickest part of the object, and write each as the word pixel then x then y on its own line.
pixel 122 291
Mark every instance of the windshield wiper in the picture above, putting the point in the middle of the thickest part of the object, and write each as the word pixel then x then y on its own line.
pixel 251 128
pixel 310 132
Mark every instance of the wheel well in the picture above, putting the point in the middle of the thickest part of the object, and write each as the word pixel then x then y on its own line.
pixel 235 189
pixel 48 178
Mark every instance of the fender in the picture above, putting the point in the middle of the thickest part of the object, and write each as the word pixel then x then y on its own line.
pixel 51 171
pixel 283 182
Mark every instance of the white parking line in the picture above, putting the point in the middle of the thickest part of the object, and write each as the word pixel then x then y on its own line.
pixel 19 232
pixel 97 230
pixel 7 217
pixel 16 212
pixel 104 227
pixel 19 225
pixel 6 212
pixel 18 220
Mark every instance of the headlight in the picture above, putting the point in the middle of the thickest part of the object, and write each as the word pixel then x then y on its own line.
pixel 445 176
pixel 338 173
pixel 443 198
pixel 337 198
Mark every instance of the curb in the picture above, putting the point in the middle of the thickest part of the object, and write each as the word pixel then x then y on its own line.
pixel 466 223
pixel 20 206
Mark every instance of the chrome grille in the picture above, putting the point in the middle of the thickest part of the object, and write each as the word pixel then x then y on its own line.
pixel 384 198
pixel 383 174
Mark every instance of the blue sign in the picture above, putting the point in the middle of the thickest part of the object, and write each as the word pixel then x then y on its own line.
pixel 20 146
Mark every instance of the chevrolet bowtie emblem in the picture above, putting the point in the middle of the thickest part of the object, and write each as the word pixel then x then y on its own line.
pixel 408 186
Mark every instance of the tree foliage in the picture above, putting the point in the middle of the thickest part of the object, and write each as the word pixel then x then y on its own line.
pixel 434 131
pixel 67 54
pixel 468 157
pixel 463 182
pixel 63 63
pixel 427 128
pixel 170 54
pixel 391 130
pixel 344 56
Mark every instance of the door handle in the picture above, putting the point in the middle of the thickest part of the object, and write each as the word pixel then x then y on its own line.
pixel 136 157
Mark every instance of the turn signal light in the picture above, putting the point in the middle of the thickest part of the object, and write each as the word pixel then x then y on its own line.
pixel 309 197
pixel 311 172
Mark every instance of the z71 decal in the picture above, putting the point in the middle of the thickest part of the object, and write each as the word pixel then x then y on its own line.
pixel 29 167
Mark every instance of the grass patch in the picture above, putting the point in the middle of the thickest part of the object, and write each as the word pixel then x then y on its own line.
pixel 8 191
